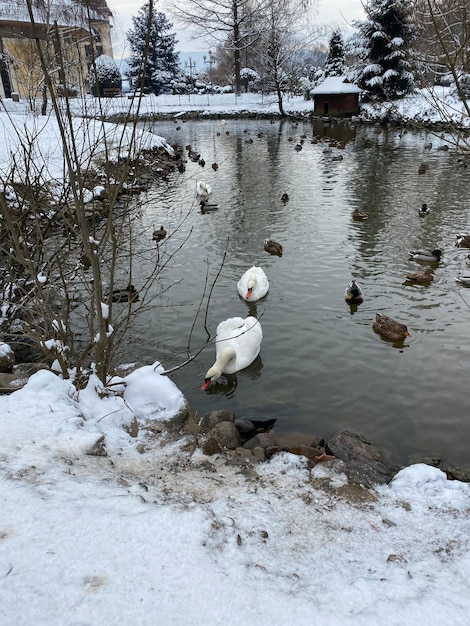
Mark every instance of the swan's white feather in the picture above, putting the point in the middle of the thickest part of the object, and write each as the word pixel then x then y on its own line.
pixel 256 279
pixel 237 344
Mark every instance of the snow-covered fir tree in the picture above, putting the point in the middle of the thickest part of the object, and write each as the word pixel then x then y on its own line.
pixel 107 75
pixel 383 43
pixel 335 64
pixel 161 59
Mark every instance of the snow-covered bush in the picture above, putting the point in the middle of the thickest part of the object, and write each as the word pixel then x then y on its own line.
pixel 107 75
pixel 249 77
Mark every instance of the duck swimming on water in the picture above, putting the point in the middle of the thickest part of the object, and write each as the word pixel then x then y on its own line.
pixel 273 247
pixel 428 256
pixel 129 294
pixel 422 278
pixel 353 293
pixel 389 328
pixel 463 240
pixel 359 216
pixel 159 234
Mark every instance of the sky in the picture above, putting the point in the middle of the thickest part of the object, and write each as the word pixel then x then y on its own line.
pixel 332 12
pixel 155 532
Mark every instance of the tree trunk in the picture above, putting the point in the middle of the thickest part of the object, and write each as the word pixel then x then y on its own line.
pixel 44 100
pixel 236 45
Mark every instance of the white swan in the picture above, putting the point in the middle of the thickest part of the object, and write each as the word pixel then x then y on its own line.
pixel 203 190
pixel 237 344
pixel 253 285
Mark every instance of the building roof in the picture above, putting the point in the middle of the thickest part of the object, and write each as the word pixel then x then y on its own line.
pixel 335 85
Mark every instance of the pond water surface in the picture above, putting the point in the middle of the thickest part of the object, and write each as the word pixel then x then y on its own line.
pixel 321 367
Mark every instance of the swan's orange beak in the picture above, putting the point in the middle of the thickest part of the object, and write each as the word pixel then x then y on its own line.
pixel 206 384
pixel 249 293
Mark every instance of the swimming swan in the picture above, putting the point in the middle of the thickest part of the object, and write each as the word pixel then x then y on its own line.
pixel 237 344
pixel 253 285
pixel 203 190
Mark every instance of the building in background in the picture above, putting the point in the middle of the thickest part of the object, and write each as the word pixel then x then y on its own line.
pixel 72 33
pixel 336 96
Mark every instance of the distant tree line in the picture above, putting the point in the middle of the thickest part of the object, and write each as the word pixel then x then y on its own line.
pixel 275 46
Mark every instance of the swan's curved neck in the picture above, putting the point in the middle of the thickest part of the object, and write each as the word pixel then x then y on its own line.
pixel 224 356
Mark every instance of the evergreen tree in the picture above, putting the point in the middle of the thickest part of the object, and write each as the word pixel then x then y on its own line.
pixel 161 59
pixel 335 61
pixel 383 44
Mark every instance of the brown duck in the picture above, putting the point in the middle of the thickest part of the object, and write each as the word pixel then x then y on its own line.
pixel 359 216
pixel 159 234
pixel 273 247
pixel 389 328
pixel 422 278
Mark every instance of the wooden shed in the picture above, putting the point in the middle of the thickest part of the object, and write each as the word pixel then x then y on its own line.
pixel 336 96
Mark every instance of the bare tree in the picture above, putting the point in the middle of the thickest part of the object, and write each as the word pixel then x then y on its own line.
pixel 444 44
pixel 230 23
pixel 285 35
pixel 62 253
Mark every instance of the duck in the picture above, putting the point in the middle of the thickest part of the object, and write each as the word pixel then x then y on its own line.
pixel 129 294
pixel 353 293
pixel 237 344
pixel 248 428
pixel 193 155
pixel 389 328
pixel 273 247
pixel 206 207
pixel 429 256
pixel 422 278
pixel 159 234
pixel 424 210
pixel 463 279
pixel 253 285
pixel 203 190
pixel 359 216
pixel 463 240
pixel 285 198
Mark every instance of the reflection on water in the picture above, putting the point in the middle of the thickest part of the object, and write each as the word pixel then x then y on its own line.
pixel 323 367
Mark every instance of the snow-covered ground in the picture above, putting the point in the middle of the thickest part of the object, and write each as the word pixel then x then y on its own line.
pixel 152 534
pixel 156 533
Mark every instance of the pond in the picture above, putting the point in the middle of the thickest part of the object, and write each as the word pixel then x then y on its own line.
pixel 321 366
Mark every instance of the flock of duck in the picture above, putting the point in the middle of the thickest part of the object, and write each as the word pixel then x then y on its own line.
pixel 383 325
pixel 238 340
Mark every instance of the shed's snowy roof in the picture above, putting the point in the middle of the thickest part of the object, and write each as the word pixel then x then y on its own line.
pixel 336 84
